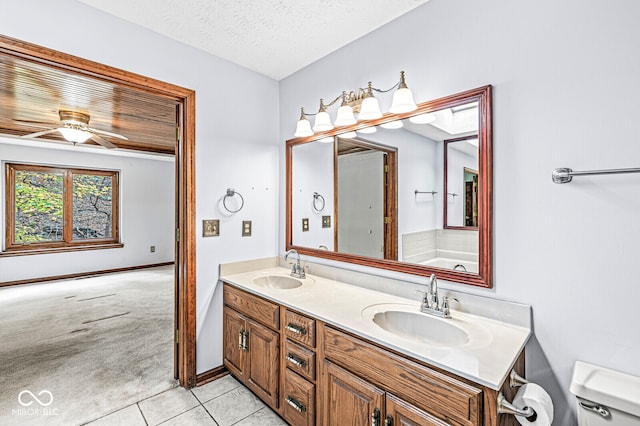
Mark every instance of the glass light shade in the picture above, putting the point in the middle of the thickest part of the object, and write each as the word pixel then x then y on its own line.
pixel 348 135
pixel 74 135
pixel 303 129
pixel 370 109
pixel 392 125
pixel 367 130
pixel 323 122
pixel 402 101
pixel 326 140
pixel 423 118
pixel 345 116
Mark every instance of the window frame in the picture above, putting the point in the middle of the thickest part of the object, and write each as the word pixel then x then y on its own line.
pixel 67 243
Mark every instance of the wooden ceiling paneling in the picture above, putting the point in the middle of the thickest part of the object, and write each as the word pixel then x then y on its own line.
pixel 35 92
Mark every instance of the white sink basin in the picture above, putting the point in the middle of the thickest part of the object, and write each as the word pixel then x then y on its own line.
pixel 407 322
pixel 277 281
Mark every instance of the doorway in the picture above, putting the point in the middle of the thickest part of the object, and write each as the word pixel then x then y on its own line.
pixel 184 149
pixel 365 200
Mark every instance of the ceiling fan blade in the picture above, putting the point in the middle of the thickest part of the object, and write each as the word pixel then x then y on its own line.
pixel 105 133
pixel 37 134
pixel 103 142
pixel 39 124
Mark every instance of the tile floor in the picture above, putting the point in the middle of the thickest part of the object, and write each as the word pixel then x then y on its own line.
pixel 223 402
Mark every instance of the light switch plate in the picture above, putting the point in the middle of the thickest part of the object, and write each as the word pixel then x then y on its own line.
pixel 305 224
pixel 246 228
pixel 211 228
pixel 326 221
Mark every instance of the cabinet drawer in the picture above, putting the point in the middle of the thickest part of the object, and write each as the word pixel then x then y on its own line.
pixel 298 400
pixel 252 306
pixel 300 360
pixel 300 328
pixel 449 399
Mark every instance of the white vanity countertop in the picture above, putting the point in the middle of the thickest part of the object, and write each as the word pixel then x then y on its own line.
pixel 487 359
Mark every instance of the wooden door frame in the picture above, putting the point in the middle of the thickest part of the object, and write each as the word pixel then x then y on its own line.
pixel 185 179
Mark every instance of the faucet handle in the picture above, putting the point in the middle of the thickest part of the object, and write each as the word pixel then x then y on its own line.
pixel 445 306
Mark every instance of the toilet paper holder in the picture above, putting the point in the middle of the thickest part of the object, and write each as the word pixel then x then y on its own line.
pixel 505 407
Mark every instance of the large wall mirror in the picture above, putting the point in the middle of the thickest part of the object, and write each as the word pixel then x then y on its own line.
pixel 408 192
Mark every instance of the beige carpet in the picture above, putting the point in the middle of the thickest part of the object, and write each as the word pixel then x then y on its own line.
pixel 73 351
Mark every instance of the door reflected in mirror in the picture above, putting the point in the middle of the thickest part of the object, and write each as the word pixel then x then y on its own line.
pixel 409 194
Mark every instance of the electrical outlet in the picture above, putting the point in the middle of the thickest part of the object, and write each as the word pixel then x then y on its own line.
pixel 326 221
pixel 152 249
pixel 211 228
pixel 305 224
pixel 246 228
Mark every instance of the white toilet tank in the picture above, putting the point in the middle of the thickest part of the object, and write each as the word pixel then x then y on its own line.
pixel 605 397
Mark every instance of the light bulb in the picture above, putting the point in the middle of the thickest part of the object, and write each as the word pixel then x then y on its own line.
pixel 348 135
pixel 345 116
pixel 397 124
pixel 303 129
pixel 367 130
pixel 74 135
pixel 370 109
pixel 423 118
pixel 402 101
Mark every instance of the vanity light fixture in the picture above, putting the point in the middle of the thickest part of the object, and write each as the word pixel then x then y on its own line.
pixel 363 102
pixel 397 124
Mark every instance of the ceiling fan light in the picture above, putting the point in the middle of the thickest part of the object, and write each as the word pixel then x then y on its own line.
pixel 370 109
pixel 402 101
pixel 396 124
pixel 74 135
pixel 345 116
pixel 303 128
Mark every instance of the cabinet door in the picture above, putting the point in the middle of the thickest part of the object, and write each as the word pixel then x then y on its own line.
pixel 233 325
pixel 349 400
pixel 401 413
pixel 263 362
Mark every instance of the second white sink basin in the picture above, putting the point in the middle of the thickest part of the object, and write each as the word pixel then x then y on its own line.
pixel 277 281
pixel 407 322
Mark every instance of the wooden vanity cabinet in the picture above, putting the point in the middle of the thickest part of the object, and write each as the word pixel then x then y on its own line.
pixel 313 373
pixel 299 366
pixel 251 349
pixel 352 400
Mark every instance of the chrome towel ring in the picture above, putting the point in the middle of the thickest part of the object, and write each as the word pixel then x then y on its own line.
pixel 319 199
pixel 230 194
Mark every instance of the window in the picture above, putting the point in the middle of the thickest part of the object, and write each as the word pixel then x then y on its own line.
pixel 51 208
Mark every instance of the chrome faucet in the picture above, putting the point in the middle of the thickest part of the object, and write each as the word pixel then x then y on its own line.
pixel 431 302
pixel 297 271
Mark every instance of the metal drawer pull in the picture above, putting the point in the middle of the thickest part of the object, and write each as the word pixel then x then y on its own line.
pixel 375 417
pixel 243 342
pixel 595 407
pixel 296 329
pixel 295 360
pixel 299 407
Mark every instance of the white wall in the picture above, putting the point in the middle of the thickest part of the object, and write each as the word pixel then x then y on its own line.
pixel 231 151
pixel 312 172
pixel 147 192
pixel 565 95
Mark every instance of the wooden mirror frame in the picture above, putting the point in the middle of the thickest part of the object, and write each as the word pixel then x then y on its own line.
pixel 484 277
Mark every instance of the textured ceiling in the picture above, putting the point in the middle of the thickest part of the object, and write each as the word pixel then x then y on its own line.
pixel 273 37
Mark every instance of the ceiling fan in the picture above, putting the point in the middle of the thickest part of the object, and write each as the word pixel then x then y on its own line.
pixel 74 127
